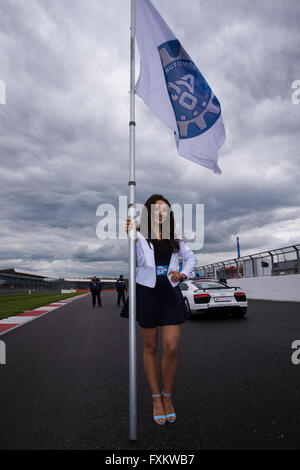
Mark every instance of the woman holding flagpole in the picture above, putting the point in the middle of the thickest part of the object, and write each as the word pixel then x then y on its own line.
pixel 159 301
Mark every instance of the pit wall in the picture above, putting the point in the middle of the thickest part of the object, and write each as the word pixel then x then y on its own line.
pixel 285 287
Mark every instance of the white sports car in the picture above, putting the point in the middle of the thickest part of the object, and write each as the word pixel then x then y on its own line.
pixel 210 295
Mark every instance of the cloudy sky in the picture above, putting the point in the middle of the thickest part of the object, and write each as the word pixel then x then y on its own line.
pixel 64 129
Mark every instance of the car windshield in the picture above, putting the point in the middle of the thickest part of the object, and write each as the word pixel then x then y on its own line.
pixel 209 285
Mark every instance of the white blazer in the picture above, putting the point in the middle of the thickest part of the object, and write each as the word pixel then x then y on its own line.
pixel 145 261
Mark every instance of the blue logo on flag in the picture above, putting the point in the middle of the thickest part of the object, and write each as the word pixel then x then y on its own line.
pixel 195 106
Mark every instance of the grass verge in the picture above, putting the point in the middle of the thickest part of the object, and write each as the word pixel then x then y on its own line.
pixel 14 304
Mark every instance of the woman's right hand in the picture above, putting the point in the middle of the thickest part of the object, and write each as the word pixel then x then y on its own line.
pixel 129 226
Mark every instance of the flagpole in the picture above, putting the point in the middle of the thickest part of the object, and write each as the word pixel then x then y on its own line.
pixel 132 237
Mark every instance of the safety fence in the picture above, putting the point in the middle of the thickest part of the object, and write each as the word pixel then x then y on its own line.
pixel 280 261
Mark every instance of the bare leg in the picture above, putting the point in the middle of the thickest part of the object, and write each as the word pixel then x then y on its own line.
pixel 170 339
pixel 151 367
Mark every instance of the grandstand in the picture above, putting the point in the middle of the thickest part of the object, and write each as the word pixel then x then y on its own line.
pixel 16 281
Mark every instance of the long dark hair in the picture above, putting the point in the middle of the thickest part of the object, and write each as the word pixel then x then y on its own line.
pixel 167 228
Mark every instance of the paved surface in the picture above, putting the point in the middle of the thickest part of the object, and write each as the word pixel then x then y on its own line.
pixel 65 383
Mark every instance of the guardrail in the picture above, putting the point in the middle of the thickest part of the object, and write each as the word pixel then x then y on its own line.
pixel 281 261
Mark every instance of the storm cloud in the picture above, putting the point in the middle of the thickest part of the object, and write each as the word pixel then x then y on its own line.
pixel 64 130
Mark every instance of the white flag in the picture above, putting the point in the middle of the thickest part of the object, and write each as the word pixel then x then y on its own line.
pixel 175 90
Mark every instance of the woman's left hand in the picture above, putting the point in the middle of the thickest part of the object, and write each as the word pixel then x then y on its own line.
pixel 176 276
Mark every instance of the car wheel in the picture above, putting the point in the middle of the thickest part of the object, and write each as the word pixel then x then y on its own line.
pixel 188 308
pixel 241 312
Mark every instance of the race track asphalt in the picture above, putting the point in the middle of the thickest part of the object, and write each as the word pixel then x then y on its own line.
pixel 65 382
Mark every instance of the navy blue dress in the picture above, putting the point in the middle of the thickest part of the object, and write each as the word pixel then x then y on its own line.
pixel 162 304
